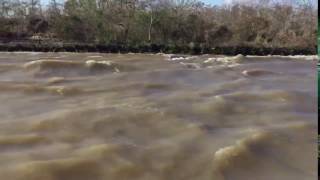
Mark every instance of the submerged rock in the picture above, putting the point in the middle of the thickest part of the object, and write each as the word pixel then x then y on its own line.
pixel 256 72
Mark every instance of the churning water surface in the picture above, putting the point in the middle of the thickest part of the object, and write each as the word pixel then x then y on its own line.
pixel 66 116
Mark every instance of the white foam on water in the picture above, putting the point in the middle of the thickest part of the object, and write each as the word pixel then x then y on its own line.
pixel 302 57
pixel 94 62
pixel 95 56
pixel 175 57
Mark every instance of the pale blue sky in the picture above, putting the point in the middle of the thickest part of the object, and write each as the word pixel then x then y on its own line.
pixel 211 2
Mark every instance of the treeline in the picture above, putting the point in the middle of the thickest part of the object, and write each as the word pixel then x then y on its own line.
pixel 162 22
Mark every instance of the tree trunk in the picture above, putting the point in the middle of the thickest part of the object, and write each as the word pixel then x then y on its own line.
pixel 150 27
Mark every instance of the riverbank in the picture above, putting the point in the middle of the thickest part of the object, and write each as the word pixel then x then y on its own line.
pixel 155 48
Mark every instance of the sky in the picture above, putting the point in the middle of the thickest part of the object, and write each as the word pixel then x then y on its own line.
pixel 213 2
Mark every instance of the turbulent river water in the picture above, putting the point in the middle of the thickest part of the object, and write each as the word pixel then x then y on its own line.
pixel 68 116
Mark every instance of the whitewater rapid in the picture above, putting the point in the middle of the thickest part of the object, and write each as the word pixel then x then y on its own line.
pixel 90 116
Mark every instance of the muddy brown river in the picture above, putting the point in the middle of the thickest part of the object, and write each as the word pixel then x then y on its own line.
pixel 68 116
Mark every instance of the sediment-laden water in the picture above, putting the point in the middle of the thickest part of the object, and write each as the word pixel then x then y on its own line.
pixel 67 116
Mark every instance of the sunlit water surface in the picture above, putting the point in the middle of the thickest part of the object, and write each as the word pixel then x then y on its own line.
pixel 67 116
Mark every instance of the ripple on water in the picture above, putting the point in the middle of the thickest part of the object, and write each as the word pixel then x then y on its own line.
pixel 262 153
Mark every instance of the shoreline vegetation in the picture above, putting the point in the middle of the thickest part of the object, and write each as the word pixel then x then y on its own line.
pixel 169 26
pixel 155 48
